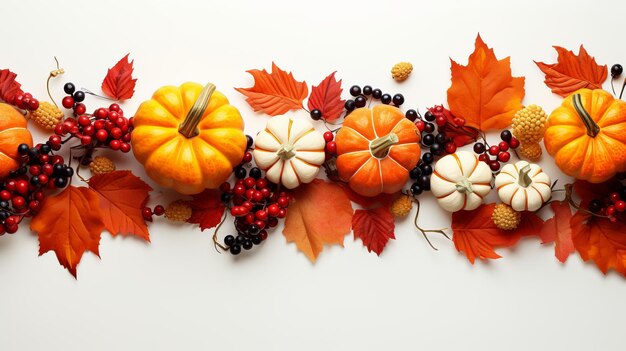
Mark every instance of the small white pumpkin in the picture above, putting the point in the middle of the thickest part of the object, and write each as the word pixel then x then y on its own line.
pixel 460 181
pixel 290 151
pixel 523 186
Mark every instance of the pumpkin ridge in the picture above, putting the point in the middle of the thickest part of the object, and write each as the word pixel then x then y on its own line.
pixel 295 172
pixel 166 107
pixel 301 136
pixel 446 195
pixel 305 162
pixel 373 126
pixel 442 177
pixel 538 192
pixel 380 173
pixel 458 162
pixel 273 136
pixel 525 199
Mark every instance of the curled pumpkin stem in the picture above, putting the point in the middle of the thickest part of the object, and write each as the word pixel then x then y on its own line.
pixel 425 231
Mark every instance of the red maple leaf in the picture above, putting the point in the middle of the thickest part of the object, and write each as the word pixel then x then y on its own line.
pixel 573 72
pixel 69 224
pixel 207 209
pixel 326 97
pixel 600 240
pixel 475 234
pixel 122 196
pixel 460 134
pixel 374 227
pixel 9 87
pixel 119 83
pixel 557 229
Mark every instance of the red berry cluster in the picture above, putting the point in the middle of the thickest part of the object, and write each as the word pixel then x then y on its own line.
pixel 331 145
pixel 500 152
pixel 25 101
pixel 147 212
pixel 22 191
pixel 256 205
pixel 434 127
pixel 611 207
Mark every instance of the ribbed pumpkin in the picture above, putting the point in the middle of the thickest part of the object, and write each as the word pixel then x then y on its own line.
pixel 188 138
pixel 13 132
pixel 376 148
pixel 586 135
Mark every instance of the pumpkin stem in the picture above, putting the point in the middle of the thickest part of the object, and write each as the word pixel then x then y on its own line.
pixel 286 152
pixel 592 128
pixel 464 186
pixel 379 147
pixel 189 127
pixel 524 179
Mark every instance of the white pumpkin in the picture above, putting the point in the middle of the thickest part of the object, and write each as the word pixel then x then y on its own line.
pixel 523 186
pixel 460 181
pixel 290 151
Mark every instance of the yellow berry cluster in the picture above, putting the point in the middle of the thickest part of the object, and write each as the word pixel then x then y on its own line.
pixel 528 126
pixel 47 115
pixel 401 71
pixel 505 217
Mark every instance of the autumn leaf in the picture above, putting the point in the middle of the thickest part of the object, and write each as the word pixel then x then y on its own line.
pixel 600 240
pixel 591 191
pixel 207 209
pixel 557 229
pixel 122 196
pixel 320 213
pixel 69 224
pixel 460 134
pixel 484 92
pixel 475 234
pixel 326 97
pixel 573 72
pixel 9 87
pixel 374 227
pixel 119 83
pixel 274 93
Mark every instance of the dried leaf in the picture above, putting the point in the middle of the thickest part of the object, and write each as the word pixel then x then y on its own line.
pixel 274 93
pixel 207 209
pixel 326 97
pixel 374 227
pixel 600 240
pixel 69 224
pixel 475 234
pixel 119 83
pixel 9 87
pixel 484 92
pixel 573 72
pixel 461 135
pixel 320 213
pixel 557 229
pixel 122 196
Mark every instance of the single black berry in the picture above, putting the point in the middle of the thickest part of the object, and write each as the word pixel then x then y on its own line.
pixel 367 90
pixel 69 88
pixel 23 149
pixel 35 181
pixel 398 99
pixel 255 173
pixel 22 170
pixel 429 116
pixel 58 169
pixel 4 215
pixel 249 141
pixel 428 158
pixel 616 70
pixel 240 172
pixel 415 173
pixel 427 170
pixel 429 127
pixel 349 105
pixel 45 149
pixel 479 148
pixel 506 135
pixel 240 239
pixel 256 240
pixel 316 115
pixel 69 171
pixel 595 206
pixel 355 90
pixel 416 189
pixel 428 139
pixel 377 93
pixel 226 197
pixel 360 101
pixel 424 182
pixel 4 204
pixel 229 240
pixel 235 249
pixel 253 229
pixel 60 182
pixel 437 149
pixel 247 245
pixel 411 115
pixel 441 138
pixel 385 99
pixel 79 96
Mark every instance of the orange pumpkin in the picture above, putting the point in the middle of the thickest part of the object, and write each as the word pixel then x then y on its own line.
pixel 376 148
pixel 586 135
pixel 13 132
pixel 188 138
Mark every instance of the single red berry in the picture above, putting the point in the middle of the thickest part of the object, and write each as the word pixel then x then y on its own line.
pixel 263 235
pixel 494 165
pixel 89 130
pixel 124 147
pixel 57 159
pixel 80 109
pixel 450 148
pixel 459 121
pixel 5 195
pixel 620 206
pixel 33 104
pixel 11 220
pixel 67 102
pixel 250 193
pixel 102 135
pixel 99 124
pixel 261 183
pixel 504 146
pixel 84 120
pixel 249 182
pixel 283 201
pixel 610 211
pixel 265 192
pixel 126 137
pixel 282 213
pixel 28 95
pixel 514 143
pixel 247 157
pixel 331 147
pixel 494 150
pixel 34 205
pixel 504 156
pixel 146 213
pixel 115 144
pixel 250 218
pixel 260 224
pixel 85 140
pixel 21 186
pixel 438 109
pixel 43 179
pixel 272 209
pixel 101 113
pixel 247 204
pixel 59 129
pixel 47 169
pixel 272 222
pixel 18 101
pixel 225 187
pixel 239 189
pixel 441 121
pixel 18 202
pixel 108 126
pixel 113 115
pixel 261 215
pixel 10 185
pixel 159 210
pixel 420 125
pixel 114 108
pixel 121 121
pixel 10 229
pixel 38 195
pixel 484 157
pixel 615 197
pixel 329 136
pixel 257 196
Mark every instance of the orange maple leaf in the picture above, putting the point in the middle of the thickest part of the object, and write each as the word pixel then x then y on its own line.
pixel 69 224
pixel 475 234
pixel 274 93
pixel 557 229
pixel 600 240
pixel 122 196
pixel 484 92
pixel 573 72
pixel 119 83
pixel 307 222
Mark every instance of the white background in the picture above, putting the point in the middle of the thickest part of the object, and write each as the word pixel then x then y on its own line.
pixel 178 293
